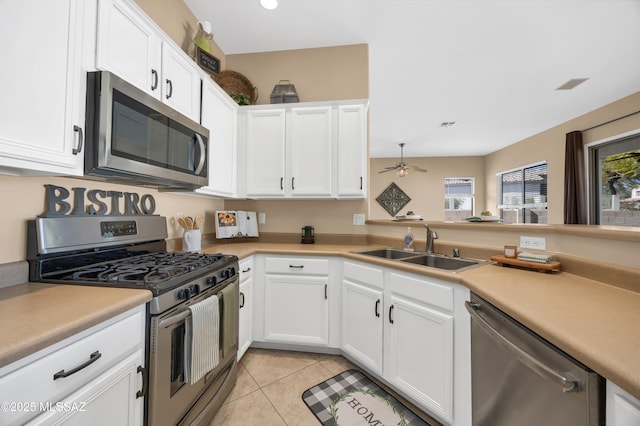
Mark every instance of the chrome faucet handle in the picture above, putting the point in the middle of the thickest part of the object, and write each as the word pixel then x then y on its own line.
pixel 456 252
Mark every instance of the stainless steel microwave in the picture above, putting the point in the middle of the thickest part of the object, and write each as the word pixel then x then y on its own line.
pixel 134 138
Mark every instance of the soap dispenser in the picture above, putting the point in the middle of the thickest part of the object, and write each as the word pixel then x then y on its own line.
pixel 408 240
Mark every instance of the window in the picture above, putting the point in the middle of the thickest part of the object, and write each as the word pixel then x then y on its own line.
pixel 458 198
pixel 615 182
pixel 523 194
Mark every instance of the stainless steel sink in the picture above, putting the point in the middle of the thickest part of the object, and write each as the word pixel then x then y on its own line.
pixel 437 261
pixel 388 253
pixel 442 262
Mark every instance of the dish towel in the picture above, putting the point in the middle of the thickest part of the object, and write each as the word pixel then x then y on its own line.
pixel 229 317
pixel 534 257
pixel 202 339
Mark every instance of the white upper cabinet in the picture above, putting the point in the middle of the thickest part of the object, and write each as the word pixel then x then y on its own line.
pixel 130 45
pixel 352 151
pixel 306 150
pixel 265 150
pixel 220 116
pixel 310 149
pixel 43 90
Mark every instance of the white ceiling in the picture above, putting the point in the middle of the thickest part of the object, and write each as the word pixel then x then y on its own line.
pixel 491 66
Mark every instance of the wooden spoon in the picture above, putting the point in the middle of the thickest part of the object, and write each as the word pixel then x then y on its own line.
pixel 198 222
pixel 189 222
pixel 182 223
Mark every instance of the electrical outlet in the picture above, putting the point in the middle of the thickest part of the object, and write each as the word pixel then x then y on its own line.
pixel 358 219
pixel 533 243
pixel 262 218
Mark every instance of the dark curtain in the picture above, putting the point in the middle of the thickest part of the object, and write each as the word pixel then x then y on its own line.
pixel 575 206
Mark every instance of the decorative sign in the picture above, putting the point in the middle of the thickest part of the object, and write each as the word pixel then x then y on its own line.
pixel 207 62
pixel 393 199
pixel 101 203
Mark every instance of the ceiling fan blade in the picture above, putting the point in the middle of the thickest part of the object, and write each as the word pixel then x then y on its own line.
pixel 416 168
pixel 388 170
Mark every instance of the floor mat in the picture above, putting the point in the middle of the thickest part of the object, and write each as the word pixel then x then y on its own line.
pixel 351 399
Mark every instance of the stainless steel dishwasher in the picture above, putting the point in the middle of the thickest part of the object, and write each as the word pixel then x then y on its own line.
pixel 519 379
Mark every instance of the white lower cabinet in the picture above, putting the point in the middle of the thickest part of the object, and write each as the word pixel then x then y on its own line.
pixel 400 326
pixel 245 331
pixel 622 408
pixel 94 377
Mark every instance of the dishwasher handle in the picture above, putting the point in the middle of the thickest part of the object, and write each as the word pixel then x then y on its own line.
pixel 568 384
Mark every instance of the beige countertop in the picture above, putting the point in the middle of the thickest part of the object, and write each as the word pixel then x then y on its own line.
pixel 594 322
pixel 34 316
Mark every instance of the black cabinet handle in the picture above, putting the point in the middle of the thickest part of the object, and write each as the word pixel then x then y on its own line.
pixel 293 187
pixel 242 300
pixel 142 392
pixel 170 86
pixel 325 291
pixel 361 182
pixel 78 130
pixel 154 85
pixel 390 318
pixel 246 270
pixel 281 183
pixel 376 310
pixel 92 358
pixel 296 266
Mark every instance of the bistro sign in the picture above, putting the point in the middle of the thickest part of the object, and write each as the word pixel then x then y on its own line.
pixel 59 201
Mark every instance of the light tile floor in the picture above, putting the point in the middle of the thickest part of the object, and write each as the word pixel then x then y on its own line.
pixel 270 386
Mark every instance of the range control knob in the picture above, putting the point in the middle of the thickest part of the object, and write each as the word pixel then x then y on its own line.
pixel 212 280
pixel 232 271
pixel 184 294
pixel 194 290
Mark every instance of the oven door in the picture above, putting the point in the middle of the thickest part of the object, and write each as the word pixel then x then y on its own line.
pixel 171 398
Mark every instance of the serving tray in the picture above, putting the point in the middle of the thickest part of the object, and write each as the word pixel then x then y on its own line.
pixel 540 267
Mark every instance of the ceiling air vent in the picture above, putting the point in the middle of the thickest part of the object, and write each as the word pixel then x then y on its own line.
pixel 448 123
pixel 572 83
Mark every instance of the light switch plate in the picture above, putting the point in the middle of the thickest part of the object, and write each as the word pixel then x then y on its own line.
pixel 358 219
pixel 262 218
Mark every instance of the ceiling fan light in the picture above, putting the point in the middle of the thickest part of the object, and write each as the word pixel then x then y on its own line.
pixel 402 172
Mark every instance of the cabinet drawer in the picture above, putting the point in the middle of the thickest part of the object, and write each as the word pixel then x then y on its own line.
pixel 427 290
pixel 297 265
pixel 35 382
pixel 246 269
pixel 363 273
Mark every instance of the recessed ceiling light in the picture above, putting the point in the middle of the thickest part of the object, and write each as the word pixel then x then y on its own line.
pixel 572 83
pixel 448 123
pixel 269 4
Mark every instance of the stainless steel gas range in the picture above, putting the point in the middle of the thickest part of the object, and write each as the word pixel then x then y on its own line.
pixel 130 252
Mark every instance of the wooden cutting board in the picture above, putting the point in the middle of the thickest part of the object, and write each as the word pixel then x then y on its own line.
pixel 540 267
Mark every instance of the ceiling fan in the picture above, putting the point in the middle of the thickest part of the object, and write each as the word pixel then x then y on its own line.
pixel 402 169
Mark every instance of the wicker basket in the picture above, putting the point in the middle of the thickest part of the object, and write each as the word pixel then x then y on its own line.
pixel 235 83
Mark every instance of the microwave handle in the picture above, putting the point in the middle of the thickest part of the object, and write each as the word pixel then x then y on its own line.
pixel 203 153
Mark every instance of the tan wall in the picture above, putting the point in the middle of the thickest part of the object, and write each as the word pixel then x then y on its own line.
pixel 426 190
pixel 25 199
pixel 176 19
pixel 324 74
pixel 550 145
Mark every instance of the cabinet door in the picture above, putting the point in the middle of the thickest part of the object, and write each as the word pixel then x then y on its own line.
pixel 111 399
pixel 128 46
pixel 245 332
pixel 181 82
pixel 352 151
pixel 362 313
pixel 296 309
pixel 309 147
pixel 220 116
pixel 621 407
pixel 43 102
pixel 419 353
pixel 265 145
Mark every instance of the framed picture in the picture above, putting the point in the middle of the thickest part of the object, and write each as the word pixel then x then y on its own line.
pixel 208 62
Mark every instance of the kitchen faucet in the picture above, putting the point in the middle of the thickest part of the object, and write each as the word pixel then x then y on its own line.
pixel 431 235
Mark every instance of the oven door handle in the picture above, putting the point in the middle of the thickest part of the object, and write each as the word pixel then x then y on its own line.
pixel 167 322
pixel 568 384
